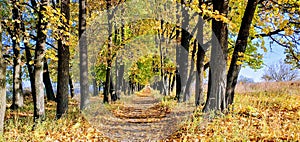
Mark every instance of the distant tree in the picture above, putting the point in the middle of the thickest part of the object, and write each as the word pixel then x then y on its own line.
pixel 244 79
pixel 280 72
pixel 83 55
pixel 2 85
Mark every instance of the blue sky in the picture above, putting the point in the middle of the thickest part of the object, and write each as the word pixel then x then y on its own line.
pixel 272 56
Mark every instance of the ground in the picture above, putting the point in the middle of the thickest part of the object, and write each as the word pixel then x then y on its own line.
pixel 264 111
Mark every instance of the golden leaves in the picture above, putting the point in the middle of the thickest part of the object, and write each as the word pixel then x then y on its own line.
pixel 288 31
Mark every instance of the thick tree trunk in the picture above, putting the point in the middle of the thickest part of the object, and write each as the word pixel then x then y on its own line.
pixel 217 90
pixel 199 62
pixel 185 43
pixel 63 65
pixel 84 89
pixel 38 98
pixel 240 47
pixel 2 87
pixel 47 82
pixel 17 87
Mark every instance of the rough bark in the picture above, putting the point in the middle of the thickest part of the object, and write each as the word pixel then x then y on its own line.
pixel 17 87
pixel 240 47
pixel 216 99
pixel 63 65
pixel 39 102
pixel 199 62
pixel 84 94
pixel 47 82
pixel 2 87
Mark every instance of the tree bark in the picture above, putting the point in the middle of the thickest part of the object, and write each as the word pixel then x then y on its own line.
pixel 71 86
pixel 63 65
pixel 191 75
pixel 199 62
pixel 38 98
pixel 17 87
pixel 177 73
pixel 109 56
pixel 216 99
pixel 47 82
pixel 240 47
pixel 2 86
pixel 84 94
pixel 185 43
pixel 30 67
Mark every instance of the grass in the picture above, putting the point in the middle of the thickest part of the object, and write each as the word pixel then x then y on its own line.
pixel 262 112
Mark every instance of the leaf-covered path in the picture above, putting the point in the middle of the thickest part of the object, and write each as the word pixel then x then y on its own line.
pixel 142 118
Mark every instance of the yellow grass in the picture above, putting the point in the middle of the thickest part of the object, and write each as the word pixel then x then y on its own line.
pixel 264 111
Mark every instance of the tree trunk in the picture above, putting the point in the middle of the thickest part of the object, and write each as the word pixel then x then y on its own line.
pixel 84 88
pixel 191 75
pixel 216 100
pixel 28 60
pixel 109 52
pixel 185 43
pixel 240 47
pixel 38 98
pixel 199 62
pixel 95 88
pixel 17 87
pixel 118 79
pixel 47 82
pixel 177 73
pixel 112 91
pixel 2 87
pixel 71 86
pixel 121 79
pixel 63 65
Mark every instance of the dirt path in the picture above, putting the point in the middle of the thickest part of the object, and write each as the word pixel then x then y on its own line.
pixel 143 119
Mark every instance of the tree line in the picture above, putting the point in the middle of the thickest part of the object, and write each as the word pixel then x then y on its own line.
pixel 41 36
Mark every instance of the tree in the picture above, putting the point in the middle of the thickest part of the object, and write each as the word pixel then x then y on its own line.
pixel 216 98
pixel 239 50
pixel 84 94
pixel 38 97
pixel 47 82
pixel 63 64
pixel 2 83
pixel 199 61
pixel 280 72
pixel 244 79
pixel 17 87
